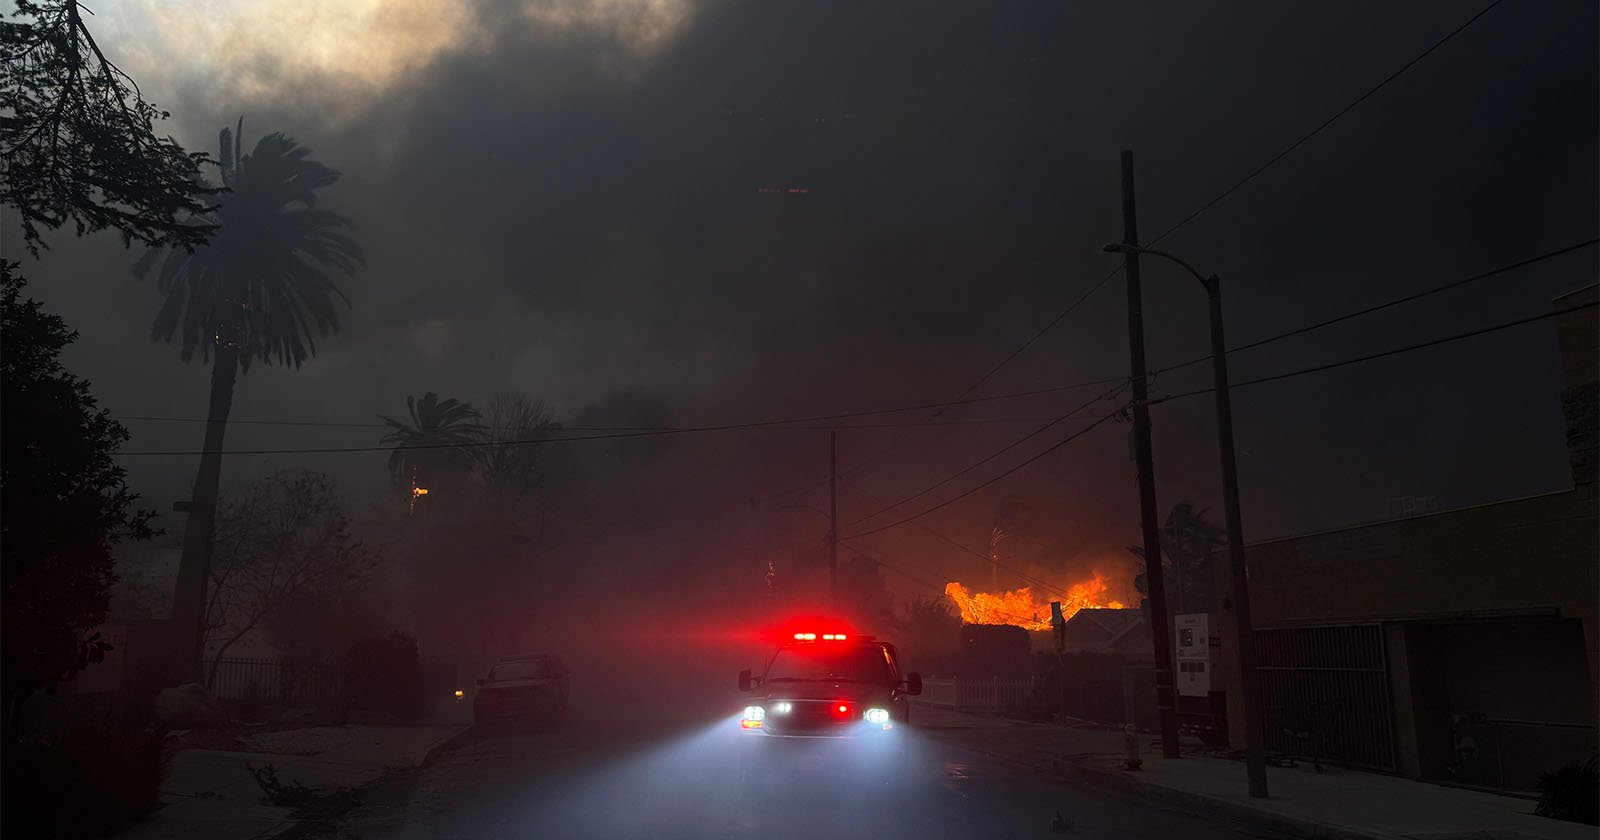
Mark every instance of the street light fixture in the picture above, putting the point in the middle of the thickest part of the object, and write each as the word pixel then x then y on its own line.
pixel 1255 755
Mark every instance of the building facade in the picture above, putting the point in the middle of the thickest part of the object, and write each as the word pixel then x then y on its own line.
pixel 1459 646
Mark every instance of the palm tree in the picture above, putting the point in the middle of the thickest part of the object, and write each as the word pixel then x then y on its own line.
pixel 260 289
pixel 433 442
pixel 1187 540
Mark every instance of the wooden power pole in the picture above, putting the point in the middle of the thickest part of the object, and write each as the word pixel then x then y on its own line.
pixel 1160 626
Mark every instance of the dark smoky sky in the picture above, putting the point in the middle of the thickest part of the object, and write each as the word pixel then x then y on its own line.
pixel 549 211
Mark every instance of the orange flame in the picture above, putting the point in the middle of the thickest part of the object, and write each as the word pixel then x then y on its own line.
pixel 1021 608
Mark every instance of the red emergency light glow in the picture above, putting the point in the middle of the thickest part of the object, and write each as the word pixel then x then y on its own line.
pixel 842 710
pixel 809 628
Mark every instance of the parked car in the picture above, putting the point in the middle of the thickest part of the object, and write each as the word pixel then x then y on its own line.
pixel 528 689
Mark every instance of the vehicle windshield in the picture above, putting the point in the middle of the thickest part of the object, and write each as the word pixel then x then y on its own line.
pixel 531 669
pixel 857 663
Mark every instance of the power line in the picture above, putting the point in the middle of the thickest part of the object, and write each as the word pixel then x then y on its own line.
pixel 1235 188
pixel 1007 448
pixel 992 561
pixel 1275 377
pixel 908 424
pixel 726 427
pixel 952 500
pixel 986 559
pixel 902 572
pixel 1294 332
pixel 960 400
pixel 1329 121
pixel 1384 353
pixel 1040 333
pixel 1493 272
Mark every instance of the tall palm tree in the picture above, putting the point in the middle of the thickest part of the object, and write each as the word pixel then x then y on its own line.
pixel 431 443
pixel 259 290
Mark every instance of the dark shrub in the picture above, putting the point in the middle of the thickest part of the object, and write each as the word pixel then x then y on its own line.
pixel 384 674
pixel 91 782
pixel 1571 793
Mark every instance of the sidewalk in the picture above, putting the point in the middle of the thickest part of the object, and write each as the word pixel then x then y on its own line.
pixel 211 794
pixel 1337 803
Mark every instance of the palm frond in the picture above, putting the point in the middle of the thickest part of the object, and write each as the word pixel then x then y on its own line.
pixel 267 273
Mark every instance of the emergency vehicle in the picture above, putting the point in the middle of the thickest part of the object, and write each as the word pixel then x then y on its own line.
pixel 830 704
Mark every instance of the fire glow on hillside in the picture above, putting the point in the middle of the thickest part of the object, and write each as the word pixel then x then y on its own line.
pixel 1020 607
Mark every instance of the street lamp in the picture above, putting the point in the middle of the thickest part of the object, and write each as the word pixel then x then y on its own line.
pixel 1255 757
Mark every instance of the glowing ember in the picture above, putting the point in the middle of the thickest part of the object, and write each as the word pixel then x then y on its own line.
pixel 417 492
pixel 1022 608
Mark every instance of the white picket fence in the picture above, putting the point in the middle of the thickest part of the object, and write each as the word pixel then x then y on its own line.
pixel 990 694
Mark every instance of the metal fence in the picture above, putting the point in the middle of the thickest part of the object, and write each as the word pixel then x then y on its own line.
pixel 276 681
pixel 988 694
pixel 1326 694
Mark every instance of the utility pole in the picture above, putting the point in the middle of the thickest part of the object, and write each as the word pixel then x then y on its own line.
pixel 1249 681
pixel 1160 627
pixel 833 519
pixel 1250 688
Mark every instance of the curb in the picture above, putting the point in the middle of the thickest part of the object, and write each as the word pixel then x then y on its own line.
pixel 1201 804
pixel 439 750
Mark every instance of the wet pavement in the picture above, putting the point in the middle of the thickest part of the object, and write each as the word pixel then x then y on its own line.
pixel 605 775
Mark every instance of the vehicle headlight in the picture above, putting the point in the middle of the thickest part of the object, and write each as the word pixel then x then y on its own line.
pixel 782 708
pixel 753 715
pixel 877 716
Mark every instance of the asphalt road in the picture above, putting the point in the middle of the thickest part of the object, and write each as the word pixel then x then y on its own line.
pixel 622 774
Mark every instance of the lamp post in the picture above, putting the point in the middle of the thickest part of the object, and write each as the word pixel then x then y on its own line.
pixel 1255 756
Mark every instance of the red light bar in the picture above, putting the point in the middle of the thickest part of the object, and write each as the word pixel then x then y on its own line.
pixel 809 628
pixel 826 637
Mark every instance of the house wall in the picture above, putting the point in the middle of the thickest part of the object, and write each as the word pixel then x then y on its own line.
pixel 1487 610
pixel 1579 337
pixel 1535 556
pixel 1523 676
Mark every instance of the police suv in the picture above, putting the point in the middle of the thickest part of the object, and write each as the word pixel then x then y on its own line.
pixel 829 704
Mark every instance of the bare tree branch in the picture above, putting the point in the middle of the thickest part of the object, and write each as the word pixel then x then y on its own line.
pixel 288 536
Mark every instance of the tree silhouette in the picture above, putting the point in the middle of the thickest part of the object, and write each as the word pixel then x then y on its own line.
pixel 79 139
pixel 434 442
pixel 509 467
pixel 63 505
pixel 1187 540
pixel 256 291
pixel 284 538
pixel 930 624
pixel 864 596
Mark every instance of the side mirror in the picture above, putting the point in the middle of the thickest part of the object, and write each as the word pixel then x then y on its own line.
pixel 744 680
pixel 913 684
